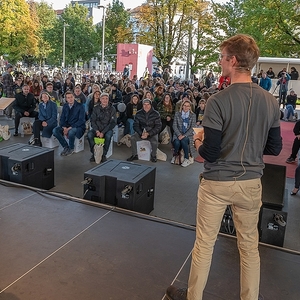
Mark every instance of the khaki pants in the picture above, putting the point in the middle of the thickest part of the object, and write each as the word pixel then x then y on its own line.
pixel 245 200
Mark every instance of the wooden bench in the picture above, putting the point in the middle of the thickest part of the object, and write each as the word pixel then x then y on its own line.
pixel 4 103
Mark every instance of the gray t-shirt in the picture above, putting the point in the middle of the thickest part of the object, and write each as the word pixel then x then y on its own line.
pixel 245 122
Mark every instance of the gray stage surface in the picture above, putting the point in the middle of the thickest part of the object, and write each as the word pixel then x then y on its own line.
pixel 60 249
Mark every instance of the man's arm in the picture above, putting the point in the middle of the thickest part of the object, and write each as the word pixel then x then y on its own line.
pixel 211 147
pixel 274 142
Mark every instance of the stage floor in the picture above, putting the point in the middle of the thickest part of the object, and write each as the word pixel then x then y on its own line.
pixel 55 248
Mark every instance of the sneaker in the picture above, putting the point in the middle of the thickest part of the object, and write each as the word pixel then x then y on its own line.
pixel 290 160
pixel 173 160
pixel 186 162
pixel 16 133
pixel 69 152
pixel 103 159
pixel 37 142
pixel 92 159
pixel 31 140
pixel 174 293
pixel 153 159
pixel 132 157
pixel 64 152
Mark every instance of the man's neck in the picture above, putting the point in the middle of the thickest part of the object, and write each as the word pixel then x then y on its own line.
pixel 240 78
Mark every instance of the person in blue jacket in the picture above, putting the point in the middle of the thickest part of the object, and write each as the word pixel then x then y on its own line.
pixel 265 82
pixel 47 120
pixel 71 124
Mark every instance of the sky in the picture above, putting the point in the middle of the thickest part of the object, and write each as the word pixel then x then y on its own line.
pixel 60 4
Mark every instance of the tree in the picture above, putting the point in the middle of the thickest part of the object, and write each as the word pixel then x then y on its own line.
pixel 46 19
pixel 165 24
pixel 80 35
pixel 18 31
pixel 118 28
pixel 275 24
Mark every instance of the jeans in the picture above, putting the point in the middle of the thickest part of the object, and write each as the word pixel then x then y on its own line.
pixel 129 127
pixel 245 200
pixel 107 136
pixel 290 110
pixel 184 144
pixel 59 134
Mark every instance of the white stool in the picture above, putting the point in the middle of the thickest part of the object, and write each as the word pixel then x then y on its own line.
pixel 110 149
pixel 78 144
pixel 144 150
pixel 118 133
pixel 25 120
pixel 51 142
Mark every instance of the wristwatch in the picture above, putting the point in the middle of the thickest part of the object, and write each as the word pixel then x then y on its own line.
pixel 197 139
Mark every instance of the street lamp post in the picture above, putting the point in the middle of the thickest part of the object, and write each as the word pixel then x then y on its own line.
pixel 103 38
pixel 64 44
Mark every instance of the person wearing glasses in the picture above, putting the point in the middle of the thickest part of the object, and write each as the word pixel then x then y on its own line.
pixel 183 124
pixel 241 124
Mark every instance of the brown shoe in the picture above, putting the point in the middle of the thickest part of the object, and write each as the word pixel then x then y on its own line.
pixel 174 293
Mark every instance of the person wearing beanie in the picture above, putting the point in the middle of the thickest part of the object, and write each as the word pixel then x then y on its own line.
pixel 147 125
pixel 103 121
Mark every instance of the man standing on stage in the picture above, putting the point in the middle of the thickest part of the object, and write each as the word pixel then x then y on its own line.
pixel 241 124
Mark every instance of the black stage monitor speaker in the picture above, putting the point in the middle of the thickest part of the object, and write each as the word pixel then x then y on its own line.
pixel 273 186
pixel 28 165
pixel 123 184
pixel 272 224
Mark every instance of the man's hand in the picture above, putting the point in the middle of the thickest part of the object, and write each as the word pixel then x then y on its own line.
pixel 44 124
pixel 66 130
pixel 99 134
pixel 145 135
pixel 26 113
pixel 199 135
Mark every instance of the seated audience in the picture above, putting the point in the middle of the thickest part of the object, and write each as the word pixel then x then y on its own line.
pixel 36 89
pixel 131 109
pixel 24 106
pixel 47 120
pixel 166 110
pixel 94 101
pixel 184 122
pixel 71 124
pixel 103 120
pixel 147 125
pixel 291 100
pixel 200 111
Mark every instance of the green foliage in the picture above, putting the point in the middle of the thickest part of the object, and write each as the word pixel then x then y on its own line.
pixel 165 24
pixel 118 29
pixel 18 31
pixel 275 24
pixel 46 20
pixel 80 36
